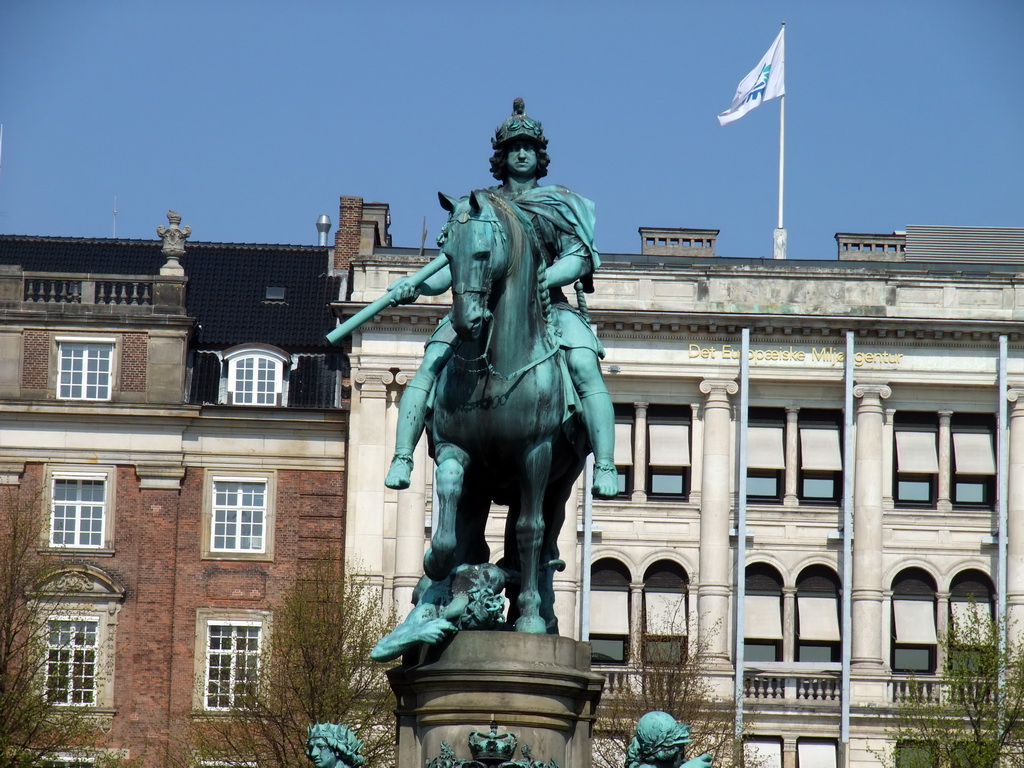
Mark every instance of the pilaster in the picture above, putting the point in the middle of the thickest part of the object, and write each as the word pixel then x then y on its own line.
pixel 943 503
pixel 640 452
pixel 792 468
pixel 1015 517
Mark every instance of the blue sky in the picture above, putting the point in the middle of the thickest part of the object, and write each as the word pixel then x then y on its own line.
pixel 251 118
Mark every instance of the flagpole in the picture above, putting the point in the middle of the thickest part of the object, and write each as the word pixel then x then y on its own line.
pixel 779 249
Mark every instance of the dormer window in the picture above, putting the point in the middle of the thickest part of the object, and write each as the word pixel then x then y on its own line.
pixel 256 375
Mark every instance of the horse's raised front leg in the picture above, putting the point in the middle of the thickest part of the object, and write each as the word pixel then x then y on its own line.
pixel 451 471
pixel 535 470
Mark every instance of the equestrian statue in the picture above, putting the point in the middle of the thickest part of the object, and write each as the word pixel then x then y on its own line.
pixel 510 391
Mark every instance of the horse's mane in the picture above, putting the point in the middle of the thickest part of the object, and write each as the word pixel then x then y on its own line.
pixel 517 229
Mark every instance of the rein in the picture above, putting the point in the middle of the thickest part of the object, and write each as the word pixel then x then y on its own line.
pixel 512 263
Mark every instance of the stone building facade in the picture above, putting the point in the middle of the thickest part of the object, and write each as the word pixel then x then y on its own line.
pixel 177 420
pixel 903 442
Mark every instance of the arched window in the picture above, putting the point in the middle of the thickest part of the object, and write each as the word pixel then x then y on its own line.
pixel 665 587
pixel 609 611
pixel 762 623
pixel 817 603
pixel 256 375
pixel 913 622
pixel 971 611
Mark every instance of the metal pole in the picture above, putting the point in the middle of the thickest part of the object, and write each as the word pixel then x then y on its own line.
pixel 848 465
pixel 1003 438
pixel 741 526
pixel 585 554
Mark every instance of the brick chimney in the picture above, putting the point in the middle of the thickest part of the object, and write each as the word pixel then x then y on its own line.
pixel 346 236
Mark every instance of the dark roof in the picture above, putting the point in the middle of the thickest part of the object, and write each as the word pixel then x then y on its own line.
pixel 227 283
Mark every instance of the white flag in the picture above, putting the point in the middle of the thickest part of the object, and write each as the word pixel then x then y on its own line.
pixel 766 81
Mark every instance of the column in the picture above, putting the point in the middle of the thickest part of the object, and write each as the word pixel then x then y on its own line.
pixel 1015 519
pixel 789 623
pixel 945 464
pixel 941 625
pixel 569 582
pixel 364 528
pixel 867 528
pixel 636 622
pixel 640 452
pixel 410 524
pixel 789 752
pixel 715 564
pixel 792 470
pixel 696 442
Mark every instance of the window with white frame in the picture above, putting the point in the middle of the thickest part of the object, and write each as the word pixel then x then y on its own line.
pixel 79 509
pixel 69 761
pixel 232 661
pixel 255 376
pixel 84 370
pixel 239 516
pixel 72 643
pixel 916 455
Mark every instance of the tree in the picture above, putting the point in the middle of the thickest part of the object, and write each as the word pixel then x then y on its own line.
pixel 315 668
pixel 973 714
pixel 33 728
pixel 676 685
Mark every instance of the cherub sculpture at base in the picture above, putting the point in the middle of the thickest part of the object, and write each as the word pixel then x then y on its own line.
pixel 659 742
pixel 333 745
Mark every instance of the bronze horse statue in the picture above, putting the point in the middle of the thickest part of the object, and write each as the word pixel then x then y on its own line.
pixel 497 425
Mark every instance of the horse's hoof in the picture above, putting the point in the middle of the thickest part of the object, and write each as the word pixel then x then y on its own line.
pixel 400 473
pixel 534 624
pixel 433 568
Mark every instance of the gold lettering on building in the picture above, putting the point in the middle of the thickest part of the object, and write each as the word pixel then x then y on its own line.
pixel 791 354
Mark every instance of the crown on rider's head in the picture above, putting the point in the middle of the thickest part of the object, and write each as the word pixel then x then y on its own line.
pixel 519 126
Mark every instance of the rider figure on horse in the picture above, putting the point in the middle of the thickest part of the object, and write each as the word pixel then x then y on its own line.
pixel 564 224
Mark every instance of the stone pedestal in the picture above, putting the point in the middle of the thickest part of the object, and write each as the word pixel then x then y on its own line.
pixel 538 687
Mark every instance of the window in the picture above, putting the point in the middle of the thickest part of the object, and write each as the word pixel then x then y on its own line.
pixel 665 631
pixel 821 460
pixel 973 635
pixel 239 515
pixel 913 622
pixel 816 753
pixel 914 754
pixel 80 505
pixel 624 448
pixel 71 665
pixel 762 607
pixel 239 512
pixel 232 662
pixel 766 456
pixel 817 602
pixel 78 510
pixel 764 752
pixel 668 452
pixel 917 463
pixel 609 612
pixel 974 460
pixel 84 370
pixel 256 375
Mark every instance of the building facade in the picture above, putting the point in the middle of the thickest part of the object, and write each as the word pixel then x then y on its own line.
pixel 175 416
pixel 873 488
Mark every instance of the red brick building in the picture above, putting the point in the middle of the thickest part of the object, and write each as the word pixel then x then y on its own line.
pixel 180 421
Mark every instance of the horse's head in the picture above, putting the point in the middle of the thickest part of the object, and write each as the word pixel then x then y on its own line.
pixel 477 257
